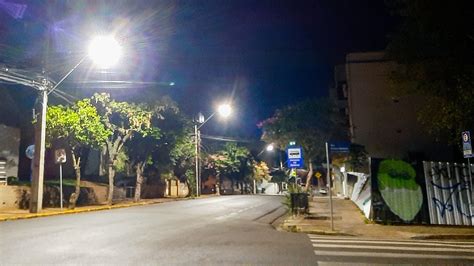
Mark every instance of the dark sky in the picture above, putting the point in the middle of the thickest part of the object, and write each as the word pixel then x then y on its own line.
pixel 265 54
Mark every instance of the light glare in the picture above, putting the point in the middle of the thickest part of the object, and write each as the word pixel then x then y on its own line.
pixel 105 51
pixel 270 147
pixel 224 110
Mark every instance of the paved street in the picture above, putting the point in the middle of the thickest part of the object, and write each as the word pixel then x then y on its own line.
pixel 350 250
pixel 225 230
pixel 219 230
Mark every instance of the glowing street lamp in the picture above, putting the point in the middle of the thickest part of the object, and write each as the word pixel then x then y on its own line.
pixel 104 51
pixel 224 110
pixel 270 148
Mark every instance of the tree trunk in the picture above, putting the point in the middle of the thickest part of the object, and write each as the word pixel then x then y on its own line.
pixel 218 185
pixel 111 173
pixel 309 176
pixel 76 161
pixel 138 186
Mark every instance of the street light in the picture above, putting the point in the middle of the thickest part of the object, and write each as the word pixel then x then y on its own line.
pixel 270 147
pixel 224 110
pixel 103 51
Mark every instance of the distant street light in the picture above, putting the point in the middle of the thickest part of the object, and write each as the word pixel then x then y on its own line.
pixel 270 147
pixel 224 110
pixel 103 51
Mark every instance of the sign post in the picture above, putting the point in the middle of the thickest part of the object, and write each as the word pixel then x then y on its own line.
pixel 329 185
pixel 295 158
pixel 60 158
pixel 467 152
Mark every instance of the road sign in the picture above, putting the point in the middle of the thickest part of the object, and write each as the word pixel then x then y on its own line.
pixel 339 146
pixel 60 156
pixel 30 151
pixel 295 157
pixel 466 144
pixel 318 175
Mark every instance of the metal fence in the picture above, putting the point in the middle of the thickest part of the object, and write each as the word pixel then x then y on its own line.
pixel 449 193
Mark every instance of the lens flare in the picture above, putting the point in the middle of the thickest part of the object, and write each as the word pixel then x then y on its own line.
pixel 224 110
pixel 105 51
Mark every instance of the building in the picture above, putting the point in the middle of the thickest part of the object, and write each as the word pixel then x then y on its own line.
pixel 385 124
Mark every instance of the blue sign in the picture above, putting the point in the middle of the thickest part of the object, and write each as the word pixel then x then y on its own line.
pixel 295 157
pixel 339 146
pixel 466 144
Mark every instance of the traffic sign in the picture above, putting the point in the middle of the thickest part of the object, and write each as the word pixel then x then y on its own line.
pixel 339 146
pixel 466 144
pixel 60 156
pixel 295 157
pixel 30 151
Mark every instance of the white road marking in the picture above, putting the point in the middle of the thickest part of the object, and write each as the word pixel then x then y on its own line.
pixel 341 247
pixel 396 242
pixel 438 249
pixel 338 253
pixel 321 237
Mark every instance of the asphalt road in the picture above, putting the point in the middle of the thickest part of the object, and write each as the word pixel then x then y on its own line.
pixel 225 230
pixel 219 230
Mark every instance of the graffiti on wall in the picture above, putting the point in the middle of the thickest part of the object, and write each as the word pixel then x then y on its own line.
pixel 361 193
pixel 397 194
pixel 449 193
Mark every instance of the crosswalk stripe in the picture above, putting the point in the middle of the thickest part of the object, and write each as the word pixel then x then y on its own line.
pixel 437 249
pixel 319 237
pixel 400 243
pixel 390 255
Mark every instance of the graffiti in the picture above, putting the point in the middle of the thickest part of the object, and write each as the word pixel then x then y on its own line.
pixel 399 189
pixel 452 200
pixel 448 188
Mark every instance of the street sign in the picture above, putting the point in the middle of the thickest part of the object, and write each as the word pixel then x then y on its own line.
pixel 295 157
pixel 339 146
pixel 30 151
pixel 60 156
pixel 466 144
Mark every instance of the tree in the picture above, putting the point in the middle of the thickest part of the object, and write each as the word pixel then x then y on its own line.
pixel 124 120
pixel 233 161
pixel 80 127
pixel 166 127
pixel 260 171
pixel 310 123
pixel 183 160
pixel 434 53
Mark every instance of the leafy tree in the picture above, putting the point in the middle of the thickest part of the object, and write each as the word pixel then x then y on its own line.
pixel 434 53
pixel 80 127
pixel 233 161
pixel 124 120
pixel 261 171
pixel 182 157
pixel 310 123
pixel 166 127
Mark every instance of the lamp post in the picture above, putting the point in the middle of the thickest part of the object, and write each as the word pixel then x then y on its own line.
pixel 224 110
pixel 104 51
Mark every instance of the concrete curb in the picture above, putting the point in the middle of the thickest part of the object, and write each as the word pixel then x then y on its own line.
pixel 100 208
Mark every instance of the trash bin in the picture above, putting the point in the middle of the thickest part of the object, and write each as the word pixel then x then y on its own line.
pixel 299 202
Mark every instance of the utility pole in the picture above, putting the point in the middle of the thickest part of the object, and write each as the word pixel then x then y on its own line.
pixel 36 200
pixel 196 139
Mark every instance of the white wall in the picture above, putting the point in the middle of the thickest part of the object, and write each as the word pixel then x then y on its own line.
pixel 9 148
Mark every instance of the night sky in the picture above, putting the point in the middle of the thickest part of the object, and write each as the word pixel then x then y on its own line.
pixel 263 54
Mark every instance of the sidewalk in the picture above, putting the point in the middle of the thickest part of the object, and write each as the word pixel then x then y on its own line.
pixel 349 220
pixel 15 214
